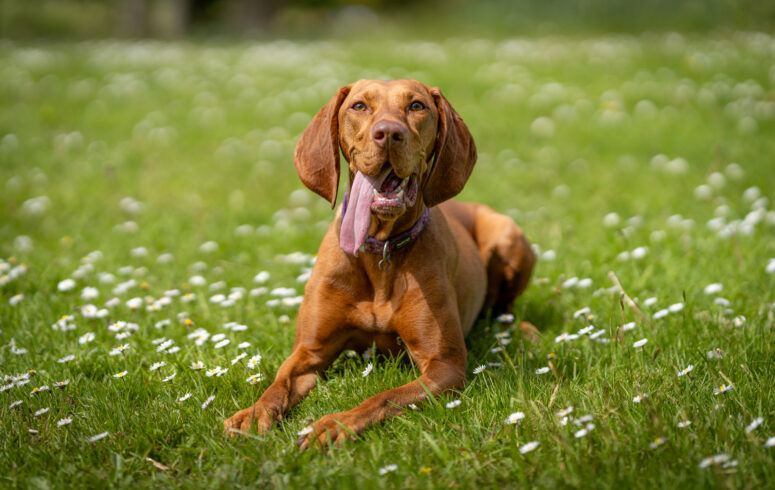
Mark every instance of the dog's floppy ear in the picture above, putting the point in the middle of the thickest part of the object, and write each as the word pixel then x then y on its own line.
pixel 455 155
pixel 316 157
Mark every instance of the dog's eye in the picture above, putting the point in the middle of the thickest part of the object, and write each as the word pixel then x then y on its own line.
pixel 359 106
pixel 416 106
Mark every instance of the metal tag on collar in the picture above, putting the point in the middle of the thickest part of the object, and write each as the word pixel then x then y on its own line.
pixel 385 257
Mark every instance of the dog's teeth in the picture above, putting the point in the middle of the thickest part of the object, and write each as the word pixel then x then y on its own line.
pixel 400 194
pixel 376 194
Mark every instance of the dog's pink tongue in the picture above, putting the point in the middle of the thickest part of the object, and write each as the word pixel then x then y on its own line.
pixel 357 216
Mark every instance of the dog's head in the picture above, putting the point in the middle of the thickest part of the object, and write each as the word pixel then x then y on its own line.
pixel 403 137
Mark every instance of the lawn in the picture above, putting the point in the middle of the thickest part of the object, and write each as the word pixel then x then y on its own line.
pixel 154 182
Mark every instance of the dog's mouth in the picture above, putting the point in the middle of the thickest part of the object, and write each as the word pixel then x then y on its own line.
pixel 395 194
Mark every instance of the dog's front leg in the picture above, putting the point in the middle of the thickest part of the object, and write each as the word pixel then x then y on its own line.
pixel 440 354
pixel 318 342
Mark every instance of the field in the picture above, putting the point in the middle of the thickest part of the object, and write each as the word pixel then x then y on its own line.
pixel 150 212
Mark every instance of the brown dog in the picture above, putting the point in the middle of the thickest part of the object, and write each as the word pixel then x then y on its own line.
pixel 400 264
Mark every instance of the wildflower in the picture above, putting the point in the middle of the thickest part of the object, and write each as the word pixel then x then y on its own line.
pixel 715 354
pixel 61 384
pixel 387 469
pixel 216 371
pixel 721 301
pixel 714 460
pixel 196 366
pixel 542 370
pixel 770 442
pixel 657 442
pixel 64 421
pixel 628 326
pixel 582 432
pixel 526 448
pixel 675 308
pixel 640 343
pixel 561 338
pixel 739 321
pixel 714 288
pixel 208 401
pixel 168 378
pixel 454 403
pixel 15 299
pixel 551 355
pixel 134 303
pixel 222 343
pixel 86 338
pixel 688 369
pixel 40 389
pixel 97 437
pixel 255 379
pixel 505 318
pixel 120 375
pixel 66 359
pixel 639 397
pixel 660 314
pixel 480 369
pixel 157 365
pixel 412 406
pixel 722 389
pixel 41 411
pixel 582 312
pixel 684 424
pixel 515 418
pixel 368 369
pixel 253 361
pixel 184 397
pixel 66 285
pixel 238 358
pixel 306 430
pixel 565 411
pixel 89 293
pixel 755 423
pixel 495 350
pixel 243 345
pixel 650 301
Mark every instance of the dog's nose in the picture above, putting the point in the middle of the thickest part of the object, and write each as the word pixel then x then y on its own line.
pixel 387 132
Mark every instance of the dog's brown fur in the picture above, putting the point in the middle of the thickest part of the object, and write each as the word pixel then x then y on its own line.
pixel 468 258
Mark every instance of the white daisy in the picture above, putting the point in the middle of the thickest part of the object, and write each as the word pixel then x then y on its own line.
pixel 722 389
pixel 306 430
pixel 388 469
pixel 368 369
pixel 120 375
pixel 208 401
pixel 640 343
pixel 97 437
pixel 255 379
pixel 454 403
pixel 157 365
pixel 64 421
pixel 480 369
pixel 688 369
pixel 238 358
pixel 254 361
pixel 196 366
pixel 184 397
pixel 542 370
pixel 684 424
pixel 168 378
pixel 755 423
pixel 515 418
pixel 41 411
pixel 526 448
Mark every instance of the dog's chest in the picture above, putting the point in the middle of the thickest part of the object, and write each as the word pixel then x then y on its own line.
pixel 377 317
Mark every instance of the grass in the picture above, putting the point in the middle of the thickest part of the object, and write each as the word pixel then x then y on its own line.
pixel 568 130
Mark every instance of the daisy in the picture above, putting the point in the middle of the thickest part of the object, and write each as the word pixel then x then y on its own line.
pixel 97 437
pixel 64 421
pixel 66 285
pixel 660 314
pixel 739 321
pixel 684 424
pixel 216 371
pixel 208 401
pixel 184 397
pixel 39 389
pixel 542 370
pixel 367 371
pixel 61 384
pixel 582 312
pixel 582 432
pixel 755 423
pixel 134 303
pixel 722 389
pixel 650 301
pixel 89 293
pixel 770 442
pixel 526 448
pixel 86 338
pixel 495 350
pixel 15 299
pixel 514 418
pixel 551 355
pixel 120 375
pixel 640 343
pixel 243 345
pixel 388 469
pixel 168 378
pixel 505 318
pixel 454 403
pixel 196 366
pixel 675 308
pixel 238 358
pixel 657 442
pixel 565 411
pixel 253 361
pixel 306 430
pixel 480 369
pixel 639 397
pixel 714 288
pixel 688 369
pixel 222 343
pixel 586 330
pixel 255 379
pixel 15 403
pixel 721 301
pixel 715 354
pixel 713 460
pixel 628 326
pixel 157 365
pixel 41 411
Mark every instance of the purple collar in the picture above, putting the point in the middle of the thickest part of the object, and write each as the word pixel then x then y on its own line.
pixel 396 242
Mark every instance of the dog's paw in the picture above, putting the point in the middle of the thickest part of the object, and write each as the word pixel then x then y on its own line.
pixel 240 422
pixel 334 428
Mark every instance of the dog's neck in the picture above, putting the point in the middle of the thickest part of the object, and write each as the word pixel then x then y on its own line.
pixel 384 229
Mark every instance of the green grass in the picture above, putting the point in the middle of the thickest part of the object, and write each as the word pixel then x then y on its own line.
pixel 203 136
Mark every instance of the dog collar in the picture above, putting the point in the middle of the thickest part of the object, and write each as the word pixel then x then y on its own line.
pixel 396 242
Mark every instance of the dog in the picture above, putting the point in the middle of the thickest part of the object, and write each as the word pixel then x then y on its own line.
pixel 401 266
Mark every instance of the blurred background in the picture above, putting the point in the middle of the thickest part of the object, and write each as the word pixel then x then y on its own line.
pixel 309 18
